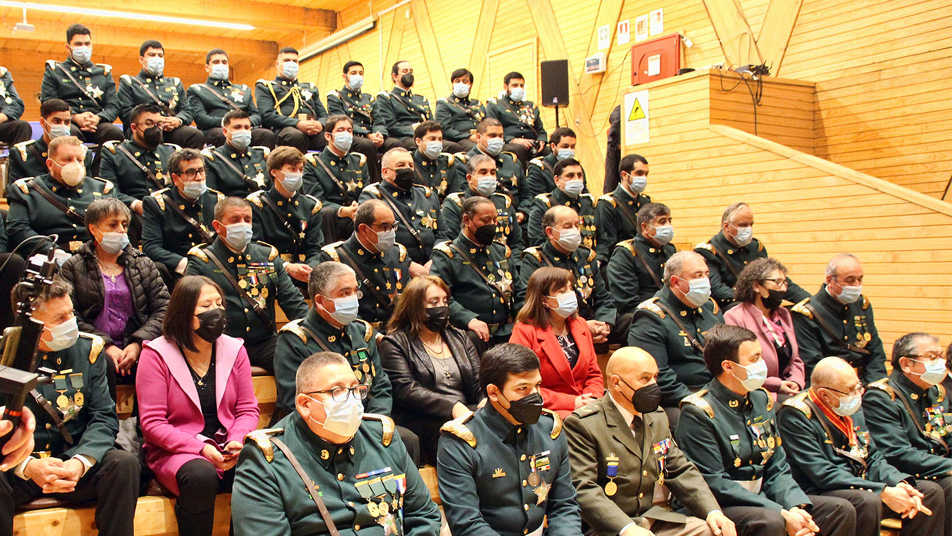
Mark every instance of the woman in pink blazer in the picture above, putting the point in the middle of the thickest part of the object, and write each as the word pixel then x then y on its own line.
pixel 196 402
pixel 759 292
pixel 549 325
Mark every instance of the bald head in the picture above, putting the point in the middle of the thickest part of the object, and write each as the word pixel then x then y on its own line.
pixel 632 366
pixel 834 373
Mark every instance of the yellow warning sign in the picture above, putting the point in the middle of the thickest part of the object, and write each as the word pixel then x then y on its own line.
pixel 636 111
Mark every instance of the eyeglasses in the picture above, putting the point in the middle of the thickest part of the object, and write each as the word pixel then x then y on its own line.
pixel 339 394
pixel 192 173
pixel 780 282
pixel 386 227
pixel 858 390
pixel 930 357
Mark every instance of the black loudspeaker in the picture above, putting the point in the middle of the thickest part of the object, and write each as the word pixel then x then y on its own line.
pixel 555 83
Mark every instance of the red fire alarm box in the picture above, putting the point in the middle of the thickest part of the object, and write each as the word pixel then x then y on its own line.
pixel 655 59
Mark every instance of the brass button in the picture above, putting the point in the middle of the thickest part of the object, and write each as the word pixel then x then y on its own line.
pixel 523 458
pixel 340 476
pixel 641 495
pixel 523 482
pixel 644 473
pixel 526 507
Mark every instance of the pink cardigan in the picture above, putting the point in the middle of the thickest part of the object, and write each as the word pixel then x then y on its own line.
pixel 561 384
pixel 747 315
pixel 169 411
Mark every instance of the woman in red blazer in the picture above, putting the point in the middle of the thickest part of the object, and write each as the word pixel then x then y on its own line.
pixel 196 402
pixel 549 325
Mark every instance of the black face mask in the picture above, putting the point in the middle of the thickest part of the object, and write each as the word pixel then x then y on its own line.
pixel 646 399
pixel 437 318
pixel 407 80
pixel 404 179
pixel 152 136
pixel 774 299
pixel 211 324
pixel 484 234
pixel 527 409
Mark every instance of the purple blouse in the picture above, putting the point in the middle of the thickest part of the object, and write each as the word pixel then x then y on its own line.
pixel 117 309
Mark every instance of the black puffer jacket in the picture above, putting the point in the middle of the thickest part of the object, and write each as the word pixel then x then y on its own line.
pixel 150 297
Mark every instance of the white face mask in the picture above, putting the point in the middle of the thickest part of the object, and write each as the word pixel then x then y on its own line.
pixel 433 149
pixel 574 187
pixel 343 418
pixel 82 55
pixel 744 236
pixel 192 190
pixel 494 146
pixel 155 65
pixel 486 185
pixel 461 90
pixel 565 153
pixel 345 309
pixel 850 294
pixel 219 71
pixel 386 239
pixel 569 239
pixel 64 335
pixel 355 81
pixel 57 131
pixel 343 141
pixel 113 243
pixel 849 404
pixel 756 375
pixel 517 94
pixel 568 304
pixel 293 180
pixel 238 235
pixel 290 69
pixel 663 234
pixel 935 372
pixel 637 183
pixel 699 291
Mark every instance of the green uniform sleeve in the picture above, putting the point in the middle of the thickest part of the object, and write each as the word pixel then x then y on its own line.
pixel 623 279
pixel 451 220
pixel 442 267
pixel 102 424
pixel 604 305
pixel 14 109
pixel 184 112
pixel 648 333
pixel 153 243
pixel 535 233
pixel 889 424
pixel 809 342
pixel 270 118
pixel 876 362
pixel 444 116
pixel 563 511
pixel 529 265
pixel 606 229
pixel 289 352
pixel 256 498
pixel 720 291
pixel 110 100
pixel 313 238
pixel 202 118
pixel 381 392
pixel 382 114
pixel 456 467
pixel 289 297
pixel 421 517
pixel 126 100
pixel 516 240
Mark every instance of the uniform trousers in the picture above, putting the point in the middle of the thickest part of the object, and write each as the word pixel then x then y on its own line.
pixel 15 131
pixel 185 137
pixel 833 515
pixel 870 510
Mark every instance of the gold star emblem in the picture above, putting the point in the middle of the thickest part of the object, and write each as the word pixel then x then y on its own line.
pixel 542 492
pixel 96 92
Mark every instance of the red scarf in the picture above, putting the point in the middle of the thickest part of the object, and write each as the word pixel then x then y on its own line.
pixel 843 424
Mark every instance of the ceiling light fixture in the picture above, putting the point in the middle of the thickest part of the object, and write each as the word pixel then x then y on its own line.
pixel 124 15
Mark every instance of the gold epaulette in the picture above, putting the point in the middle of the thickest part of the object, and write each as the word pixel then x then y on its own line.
pixel 217 193
pixel 331 249
pixel 262 438
pixel 769 398
pixel 106 68
pixel 294 327
pixel 403 252
pixel 274 251
pixel 51 64
pixel 106 187
pixel 332 92
pixel 802 309
pixel 629 245
pixel 592 197
pixel 760 246
pixel 717 308
pixel 449 158
pixel 159 199
pixel 591 255
pixel 506 198
pixel 462 157
pixel 209 153
pixel 609 198
pixel 388 426
pixel 444 248
pixel 311 158
pixel 883 385
pixel 457 198
pixel 98 345
pixel 511 154
pixel 535 252
pixel 697 400
pixel 374 191
pixel 198 252
pixel 363 160
pixel 545 199
pixel 125 78
pixel 650 305
pixel 254 199
pixel 941 396
pixel 427 191
pixel 799 402
pixel 23 185
pixel 458 428
pixel 22 147
pixel 508 250
pixel 556 423
pixel 865 303
pixel 538 162
pixel 111 145
pixel 318 206
pixel 705 245
pixel 368 329
pixel 265 152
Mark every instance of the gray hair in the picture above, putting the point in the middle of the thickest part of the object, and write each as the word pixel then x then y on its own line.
pixel 325 275
pixel 365 212
pixel 732 209
pixel 650 211
pixel 908 345
pixel 476 160
pixel 99 210
pixel 180 156
pixel 676 263
pixel 228 203
pixel 835 263
pixel 309 370
pixel 389 155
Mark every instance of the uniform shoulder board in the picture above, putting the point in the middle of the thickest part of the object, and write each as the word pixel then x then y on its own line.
pixel 802 309
pixel 883 385
pixel 3 71
pixel 384 94
pixel 262 438
pixel 311 158
pixel 608 198
pixel 444 248
pixel 264 150
pixel 317 204
pixel 106 68
pixel 493 100
pixel 274 251
pixel 629 245
pixel 586 411
pixel 159 199
pixel 175 81
pixel 388 426
pixel 458 428
pixel 294 327
pixel 941 396
pixel 508 251
pixel 368 330
pixel 51 64
pixel 865 303
pixel 650 305
pixel 705 245
pixel 769 398
pixel 126 78
pixel 374 191
pixel 463 157
pixel 217 193
pixel 511 154
pixel 534 251
pixel 697 399
pixel 333 93
pixel 441 99
pixel 716 308
pixel 591 255
pixel 545 198
pixel 331 249
pixel 363 159
pixel 108 186
pixel 556 423
pixel 23 147
pixel 427 191
pixel 537 162
pixel 255 199
pixel 456 197
pixel 23 185
pixel 760 245
pixel 198 252
pixel 590 197
pixel 98 345
pixel 403 252
pixel 506 198
pixel 209 153
pixel 263 81
pixel 449 158
pixel 799 402
pixel 111 145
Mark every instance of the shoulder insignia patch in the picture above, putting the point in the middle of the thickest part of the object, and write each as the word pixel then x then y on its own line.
pixel 294 327
pixel 111 145
pixel 458 428
pixel 697 399
pixel 449 158
pixel 209 153
pixel 535 252
pixel 457 198
pixel 262 438
pixel 255 199
pixel 317 204
pixel 107 187
pixel 537 162
pixel 444 248
pixel 198 252
pixel 106 68
pixel 388 426
pixel 716 308
pixel 629 245
pixel 218 194
pixel 363 159
pixel 368 330
pixel 506 197
pixel 556 423
pixel 403 252
pixel 98 345
pixel 508 251
pixel 274 251
pixel 865 303
pixel 799 402
pixel 373 190
pixel 23 185
pixel 463 158
pixel 545 198
pixel 51 64
pixel 705 245
pixel 331 249
pixel 608 198
pixel 126 78
pixel 801 308
pixel 311 158
pixel 591 255
pixel 770 400
pixel 650 305
pixel 760 246
pixel 883 385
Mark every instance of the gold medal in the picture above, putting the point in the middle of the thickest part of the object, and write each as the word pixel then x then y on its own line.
pixel 736 462
pixel 383 508
pixel 264 293
pixel 534 479
pixel 867 337
pixel 365 367
pixel 374 511
pixel 79 399
pixel 242 283
pixel 611 488
pixel 771 443
pixel 62 402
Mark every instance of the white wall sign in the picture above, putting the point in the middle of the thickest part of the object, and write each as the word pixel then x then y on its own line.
pixel 636 118
pixel 641 28
pixel 657 21
pixel 604 37
pixel 624 32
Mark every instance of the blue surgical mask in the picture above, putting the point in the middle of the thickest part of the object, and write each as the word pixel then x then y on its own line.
pixel 574 187
pixel 849 404
pixel 355 81
pixel 113 243
pixel 155 65
pixel 565 153
pixel 343 141
pixel 345 309
pixel 756 375
pixel 433 149
pixel 292 181
pixel 637 183
pixel 850 294
pixel 82 55
pixel 699 290
pixel 289 69
pixel 194 189
pixel 517 94
pixel 461 90
pixel 57 131
pixel 219 71
pixel 241 139
pixel 494 146
pixel 744 236
pixel 663 234
pixel 238 235
pixel 485 186
pixel 935 372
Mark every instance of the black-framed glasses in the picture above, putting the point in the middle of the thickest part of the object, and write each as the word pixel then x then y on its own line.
pixel 386 227
pixel 339 394
pixel 782 283
pixel 192 173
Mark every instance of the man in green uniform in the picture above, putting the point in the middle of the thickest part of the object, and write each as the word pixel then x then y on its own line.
pixel 831 454
pixel 460 113
pixel 838 321
pixel 561 250
pixel 252 277
pixel 287 219
pixel 382 266
pixel 290 108
pixel 729 430
pixel 416 207
pixel 616 491
pixel 151 86
pixel 569 183
pixel 28 158
pixel 87 87
pixel 367 482
pixel 12 129
pixel 525 134
pixel 337 177
pixel 636 266
pixel 440 171
pixel 176 219
pixel 55 203
pixel 235 168
pixel 616 217
pixel 672 327
pixel 730 250
pixel 540 175
pixel 213 99
pixel 478 270
pixel 512 181
pixel 505 468
pixel 76 458
pixel 481 180
pixel 908 414
pixel 398 112
pixel 139 166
